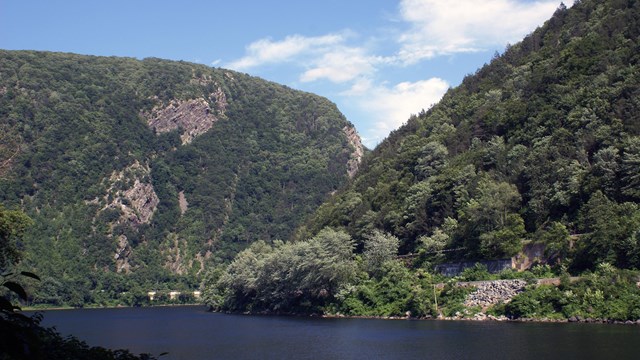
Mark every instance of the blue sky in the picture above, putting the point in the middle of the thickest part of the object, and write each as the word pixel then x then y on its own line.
pixel 378 60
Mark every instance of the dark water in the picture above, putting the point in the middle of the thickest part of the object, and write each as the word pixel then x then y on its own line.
pixel 192 333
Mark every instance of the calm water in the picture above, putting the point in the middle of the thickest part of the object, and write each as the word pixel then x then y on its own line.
pixel 192 333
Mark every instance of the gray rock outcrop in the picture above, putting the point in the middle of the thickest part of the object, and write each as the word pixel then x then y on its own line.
pixel 489 293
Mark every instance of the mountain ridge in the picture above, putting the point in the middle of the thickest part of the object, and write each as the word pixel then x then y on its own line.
pixel 540 129
pixel 158 167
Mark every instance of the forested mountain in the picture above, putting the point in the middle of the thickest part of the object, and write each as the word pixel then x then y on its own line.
pixel 139 174
pixel 540 145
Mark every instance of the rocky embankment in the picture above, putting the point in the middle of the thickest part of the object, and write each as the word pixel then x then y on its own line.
pixel 485 295
pixel 489 293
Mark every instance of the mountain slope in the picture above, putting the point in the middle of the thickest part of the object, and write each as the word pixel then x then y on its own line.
pixel 541 143
pixel 155 168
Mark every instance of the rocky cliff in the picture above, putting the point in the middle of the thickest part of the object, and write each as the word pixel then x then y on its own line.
pixel 156 169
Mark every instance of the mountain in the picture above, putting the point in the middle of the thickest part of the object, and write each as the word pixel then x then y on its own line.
pixel 535 157
pixel 139 174
pixel 541 145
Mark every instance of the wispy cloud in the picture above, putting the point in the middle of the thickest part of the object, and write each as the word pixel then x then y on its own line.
pixel 340 64
pixel 265 51
pixel 390 107
pixel 423 29
pixel 440 27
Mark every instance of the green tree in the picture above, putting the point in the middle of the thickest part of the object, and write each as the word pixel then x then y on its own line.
pixel 13 224
pixel 491 224
pixel 611 232
pixel 630 168
pixel 379 248
pixel 300 276
pixel 556 239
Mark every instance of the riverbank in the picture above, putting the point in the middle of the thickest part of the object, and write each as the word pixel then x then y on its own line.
pixel 481 317
pixel 90 307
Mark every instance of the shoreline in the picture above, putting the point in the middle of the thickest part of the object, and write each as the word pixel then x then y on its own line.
pixel 58 308
pixel 478 317
pixel 489 318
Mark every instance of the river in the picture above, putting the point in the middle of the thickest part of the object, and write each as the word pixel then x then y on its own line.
pixel 189 332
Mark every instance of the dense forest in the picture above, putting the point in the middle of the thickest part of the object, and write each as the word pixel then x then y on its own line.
pixel 160 175
pixel 539 147
pixel 139 174
pixel 540 144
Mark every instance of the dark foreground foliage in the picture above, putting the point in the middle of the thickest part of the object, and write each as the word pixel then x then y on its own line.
pixel 22 337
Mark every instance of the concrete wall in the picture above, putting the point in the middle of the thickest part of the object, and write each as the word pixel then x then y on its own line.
pixel 494 266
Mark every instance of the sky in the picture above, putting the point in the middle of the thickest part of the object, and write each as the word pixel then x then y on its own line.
pixel 379 61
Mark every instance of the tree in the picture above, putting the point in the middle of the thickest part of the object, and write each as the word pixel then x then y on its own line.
pixel 298 276
pixel 505 241
pixel 432 158
pixel 556 239
pixel 611 232
pixel 491 225
pixel 631 168
pixel 606 166
pixel 379 248
pixel 12 226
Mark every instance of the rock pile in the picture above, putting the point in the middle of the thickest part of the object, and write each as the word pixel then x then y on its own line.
pixel 489 293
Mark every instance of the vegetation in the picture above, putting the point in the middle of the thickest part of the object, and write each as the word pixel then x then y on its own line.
pixel 321 275
pixel 538 147
pixel 122 207
pixel 22 337
pixel 287 277
pixel 606 294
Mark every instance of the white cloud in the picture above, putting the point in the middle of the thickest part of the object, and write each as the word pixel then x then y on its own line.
pixel 353 61
pixel 340 65
pixel 266 51
pixel 390 107
pixel 444 27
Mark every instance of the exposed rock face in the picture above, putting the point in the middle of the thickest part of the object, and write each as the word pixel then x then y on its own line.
pixel 358 150
pixel 143 201
pixel 178 258
pixel 123 251
pixel 135 197
pixel 220 99
pixel 182 202
pixel 492 292
pixel 174 260
pixel 194 117
pixel 131 194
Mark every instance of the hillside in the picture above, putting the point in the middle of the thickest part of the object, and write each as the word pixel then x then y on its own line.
pixel 540 145
pixel 139 174
pixel 538 149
